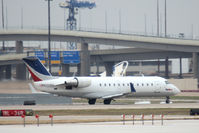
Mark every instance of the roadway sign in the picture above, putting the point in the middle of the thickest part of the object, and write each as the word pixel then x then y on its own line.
pixel 40 55
pixel 71 57
pixel 55 57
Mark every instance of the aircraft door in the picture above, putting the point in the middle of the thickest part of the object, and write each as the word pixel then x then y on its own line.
pixel 157 87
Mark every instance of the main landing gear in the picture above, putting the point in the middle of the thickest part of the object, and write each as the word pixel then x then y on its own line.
pixel 168 100
pixel 107 101
pixel 91 101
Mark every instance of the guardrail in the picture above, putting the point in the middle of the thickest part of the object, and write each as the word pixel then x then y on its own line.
pixel 112 31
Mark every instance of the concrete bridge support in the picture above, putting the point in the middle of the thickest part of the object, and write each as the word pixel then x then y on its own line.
pixel 180 74
pixel 109 68
pixel 167 68
pixel 5 72
pixel 84 66
pixel 20 68
pixel 196 65
pixel 65 69
pixel 8 71
pixel 1 72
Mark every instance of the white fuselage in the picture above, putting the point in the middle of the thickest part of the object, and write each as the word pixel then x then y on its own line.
pixel 109 87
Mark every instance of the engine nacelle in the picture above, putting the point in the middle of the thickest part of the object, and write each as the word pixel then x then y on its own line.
pixel 78 82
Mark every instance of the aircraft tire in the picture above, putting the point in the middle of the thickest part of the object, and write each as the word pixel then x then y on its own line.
pixel 167 100
pixel 107 101
pixel 91 101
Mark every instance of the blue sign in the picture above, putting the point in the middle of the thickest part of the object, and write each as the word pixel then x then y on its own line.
pixel 55 57
pixel 71 57
pixel 40 55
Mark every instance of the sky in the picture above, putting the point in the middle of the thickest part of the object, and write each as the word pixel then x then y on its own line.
pixel 182 15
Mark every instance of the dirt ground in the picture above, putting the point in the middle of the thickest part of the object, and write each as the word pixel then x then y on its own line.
pixel 14 87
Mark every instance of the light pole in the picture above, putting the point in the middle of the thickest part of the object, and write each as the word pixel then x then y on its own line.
pixel 49 39
pixel 158 18
pixel 3 23
pixel 120 24
pixel 165 18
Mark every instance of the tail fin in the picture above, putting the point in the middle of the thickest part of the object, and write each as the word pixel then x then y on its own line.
pixel 37 70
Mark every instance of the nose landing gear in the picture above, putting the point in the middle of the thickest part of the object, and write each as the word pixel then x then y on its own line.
pixel 168 100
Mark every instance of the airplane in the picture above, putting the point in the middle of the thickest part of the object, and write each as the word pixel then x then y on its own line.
pixel 93 88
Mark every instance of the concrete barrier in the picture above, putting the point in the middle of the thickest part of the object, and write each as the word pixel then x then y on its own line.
pixel 185 84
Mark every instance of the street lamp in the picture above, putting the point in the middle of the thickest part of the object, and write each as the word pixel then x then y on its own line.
pixel 49 39
pixel 3 22
pixel 158 18
pixel 165 18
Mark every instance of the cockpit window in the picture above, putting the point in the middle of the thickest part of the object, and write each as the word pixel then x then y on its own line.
pixel 167 82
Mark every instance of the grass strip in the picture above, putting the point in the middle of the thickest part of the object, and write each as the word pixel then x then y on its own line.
pixel 157 111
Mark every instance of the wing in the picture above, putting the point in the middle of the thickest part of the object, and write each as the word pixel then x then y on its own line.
pixel 113 96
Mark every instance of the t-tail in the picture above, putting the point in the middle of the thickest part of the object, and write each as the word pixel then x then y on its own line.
pixel 37 70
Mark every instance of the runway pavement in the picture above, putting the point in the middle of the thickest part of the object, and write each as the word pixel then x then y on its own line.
pixel 85 106
pixel 93 118
pixel 41 99
pixel 175 126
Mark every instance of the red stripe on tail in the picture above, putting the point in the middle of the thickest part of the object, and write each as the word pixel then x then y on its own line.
pixel 35 78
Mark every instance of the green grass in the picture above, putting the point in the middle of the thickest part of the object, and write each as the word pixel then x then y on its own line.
pixel 157 111
pixel 185 97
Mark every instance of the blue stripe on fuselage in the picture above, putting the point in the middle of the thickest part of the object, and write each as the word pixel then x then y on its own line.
pixel 34 63
pixel 132 88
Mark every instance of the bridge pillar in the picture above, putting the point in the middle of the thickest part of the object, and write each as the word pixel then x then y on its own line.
pixel 195 57
pixel 8 72
pixel 158 66
pixel 84 66
pixel 167 68
pixel 65 69
pixel 1 72
pixel 20 68
pixel 19 47
pixel 180 74
pixel 21 71
pixel 109 68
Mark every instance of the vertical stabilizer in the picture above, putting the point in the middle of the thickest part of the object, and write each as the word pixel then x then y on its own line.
pixel 37 70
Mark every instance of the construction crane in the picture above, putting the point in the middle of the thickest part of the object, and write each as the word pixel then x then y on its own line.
pixel 73 6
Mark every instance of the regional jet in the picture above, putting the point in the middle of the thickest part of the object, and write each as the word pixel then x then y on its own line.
pixel 93 88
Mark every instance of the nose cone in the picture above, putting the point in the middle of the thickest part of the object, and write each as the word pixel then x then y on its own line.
pixel 176 90
pixel 173 89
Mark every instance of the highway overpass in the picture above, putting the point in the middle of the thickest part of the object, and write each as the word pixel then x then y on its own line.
pixel 157 47
pixel 102 56
pixel 107 57
pixel 169 44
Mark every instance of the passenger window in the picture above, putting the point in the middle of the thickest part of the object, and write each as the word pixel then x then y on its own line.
pixel 142 84
pixel 114 84
pixel 118 84
pixel 123 84
pixel 147 84
pixel 137 84
pixel 109 84
pixel 104 84
pixel 127 84
pixel 100 84
pixel 151 84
